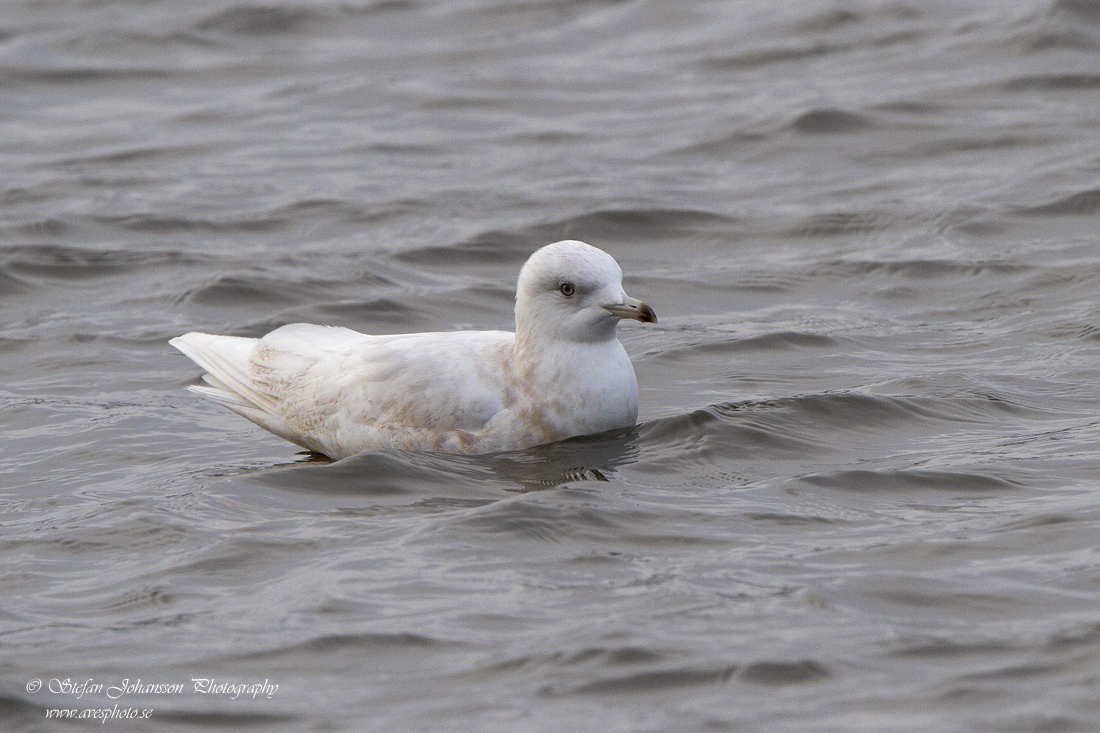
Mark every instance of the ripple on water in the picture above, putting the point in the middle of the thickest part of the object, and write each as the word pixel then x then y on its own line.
pixel 1081 203
pixel 647 682
pixel 350 644
pixel 397 475
pixel 258 20
pixel 911 480
pixel 76 263
pixel 540 518
pixel 608 226
pixel 1053 82
pixel 828 121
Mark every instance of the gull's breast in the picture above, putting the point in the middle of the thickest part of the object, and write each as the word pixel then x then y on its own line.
pixel 572 391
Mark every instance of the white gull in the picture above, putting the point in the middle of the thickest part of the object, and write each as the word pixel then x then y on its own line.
pixel 339 392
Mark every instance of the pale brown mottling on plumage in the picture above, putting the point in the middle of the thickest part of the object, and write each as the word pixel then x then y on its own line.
pixel 537 422
pixel 465 438
pixel 506 357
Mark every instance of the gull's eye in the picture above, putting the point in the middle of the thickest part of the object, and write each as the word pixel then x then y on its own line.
pixel 567 289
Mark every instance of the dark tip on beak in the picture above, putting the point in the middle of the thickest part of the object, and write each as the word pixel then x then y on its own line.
pixel 633 309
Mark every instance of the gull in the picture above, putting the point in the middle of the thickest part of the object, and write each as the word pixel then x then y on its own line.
pixel 338 392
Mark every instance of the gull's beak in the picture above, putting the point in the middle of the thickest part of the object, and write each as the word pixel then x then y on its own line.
pixel 631 308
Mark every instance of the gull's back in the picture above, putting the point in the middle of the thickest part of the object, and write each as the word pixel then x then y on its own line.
pixel 339 392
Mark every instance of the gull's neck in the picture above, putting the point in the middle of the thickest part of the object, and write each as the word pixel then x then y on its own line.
pixel 535 340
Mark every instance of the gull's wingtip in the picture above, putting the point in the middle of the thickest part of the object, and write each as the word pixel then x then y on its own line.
pixel 186 340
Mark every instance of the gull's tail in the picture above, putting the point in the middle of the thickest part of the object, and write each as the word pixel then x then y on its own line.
pixel 226 360
pixel 247 379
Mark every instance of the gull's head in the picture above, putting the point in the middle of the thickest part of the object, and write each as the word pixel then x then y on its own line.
pixel 573 291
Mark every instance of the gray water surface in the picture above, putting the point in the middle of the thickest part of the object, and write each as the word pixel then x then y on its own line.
pixel 863 493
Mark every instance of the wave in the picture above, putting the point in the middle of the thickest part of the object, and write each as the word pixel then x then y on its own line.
pixel 11 285
pixel 647 681
pixel 910 480
pixel 255 19
pixel 777 341
pixel 387 475
pixel 259 20
pixel 667 679
pixel 1081 203
pixel 602 225
pixel 811 426
pixel 87 75
pixel 831 121
pixel 919 268
pixel 355 643
pixel 1053 82
pixel 522 519
pixel 278 290
pixel 66 262
pixel 160 223
pixel 1087 10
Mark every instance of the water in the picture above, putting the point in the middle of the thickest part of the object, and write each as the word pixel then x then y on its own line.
pixel 862 494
